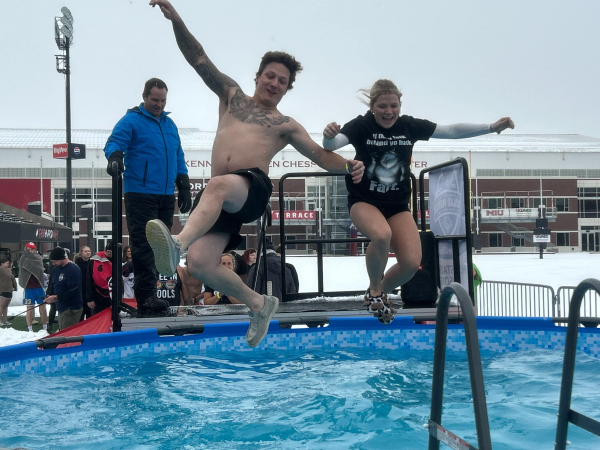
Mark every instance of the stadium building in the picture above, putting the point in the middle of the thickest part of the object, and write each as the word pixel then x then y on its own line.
pixel 511 175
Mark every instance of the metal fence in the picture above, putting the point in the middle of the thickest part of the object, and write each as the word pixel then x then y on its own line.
pixel 590 305
pixel 502 298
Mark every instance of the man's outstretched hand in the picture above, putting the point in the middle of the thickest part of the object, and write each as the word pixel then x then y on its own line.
pixel 502 124
pixel 356 169
pixel 167 9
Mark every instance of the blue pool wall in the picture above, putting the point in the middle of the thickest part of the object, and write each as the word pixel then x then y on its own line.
pixel 496 335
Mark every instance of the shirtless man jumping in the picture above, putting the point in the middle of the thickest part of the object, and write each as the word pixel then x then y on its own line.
pixel 251 131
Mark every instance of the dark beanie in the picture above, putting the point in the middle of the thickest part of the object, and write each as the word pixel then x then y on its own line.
pixel 108 245
pixel 59 253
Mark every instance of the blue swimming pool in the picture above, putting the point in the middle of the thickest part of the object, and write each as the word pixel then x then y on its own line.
pixel 354 384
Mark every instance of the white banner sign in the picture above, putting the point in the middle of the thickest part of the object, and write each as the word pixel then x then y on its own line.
pixel 537 238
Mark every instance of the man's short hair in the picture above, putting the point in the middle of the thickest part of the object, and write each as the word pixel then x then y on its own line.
pixel 59 254
pixel 284 58
pixel 154 82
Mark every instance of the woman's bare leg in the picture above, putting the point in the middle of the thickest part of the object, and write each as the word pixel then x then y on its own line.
pixel 372 224
pixel 406 244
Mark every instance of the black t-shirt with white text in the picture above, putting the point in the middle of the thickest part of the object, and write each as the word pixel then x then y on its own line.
pixel 386 154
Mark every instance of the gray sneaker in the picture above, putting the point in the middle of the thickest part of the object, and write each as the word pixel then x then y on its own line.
pixel 165 247
pixel 259 321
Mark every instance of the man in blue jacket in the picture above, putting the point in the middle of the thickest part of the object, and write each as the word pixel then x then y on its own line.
pixel 64 288
pixel 147 143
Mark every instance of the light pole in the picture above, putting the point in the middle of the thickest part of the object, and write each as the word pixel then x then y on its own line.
pixel 63 35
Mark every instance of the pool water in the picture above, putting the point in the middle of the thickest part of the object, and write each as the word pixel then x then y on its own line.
pixel 318 399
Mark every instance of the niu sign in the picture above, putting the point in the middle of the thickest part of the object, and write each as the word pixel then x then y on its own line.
pixel 64 151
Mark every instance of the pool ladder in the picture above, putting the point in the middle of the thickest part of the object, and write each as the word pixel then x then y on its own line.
pixel 438 433
pixel 565 413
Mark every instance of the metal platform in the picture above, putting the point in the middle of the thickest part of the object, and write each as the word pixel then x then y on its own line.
pixel 312 313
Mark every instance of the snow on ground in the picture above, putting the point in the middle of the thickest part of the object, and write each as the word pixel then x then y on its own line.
pixel 555 270
pixel 349 274
pixel 8 336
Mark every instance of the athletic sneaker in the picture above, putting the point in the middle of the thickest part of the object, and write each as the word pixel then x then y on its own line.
pixel 259 321
pixel 165 247
pixel 6 324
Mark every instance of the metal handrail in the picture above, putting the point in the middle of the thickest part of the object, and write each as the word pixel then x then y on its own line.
pixel 438 433
pixel 117 238
pixel 261 251
pixel 565 413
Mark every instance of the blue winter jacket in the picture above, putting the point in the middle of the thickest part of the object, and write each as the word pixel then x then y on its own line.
pixel 152 151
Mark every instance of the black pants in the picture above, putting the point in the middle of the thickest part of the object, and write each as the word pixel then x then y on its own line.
pixel 140 208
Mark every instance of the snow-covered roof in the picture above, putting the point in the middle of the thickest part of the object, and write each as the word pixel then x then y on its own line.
pixel 195 139
pixel 192 138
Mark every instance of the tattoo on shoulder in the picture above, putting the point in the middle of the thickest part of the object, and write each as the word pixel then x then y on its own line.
pixel 246 111
pixel 215 80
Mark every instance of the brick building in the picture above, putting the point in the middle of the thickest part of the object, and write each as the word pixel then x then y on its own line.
pixel 511 175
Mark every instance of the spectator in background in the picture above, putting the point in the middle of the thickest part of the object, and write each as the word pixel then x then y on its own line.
pixel 241 267
pixel 8 285
pixel 189 290
pixel 292 269
pixel 31 278
pixel 212 297
pixel 64 288
pixel 128 279
pixel 83 262
pixel 127 254
pixel 274 286
pixel 146 143
pixel 250 257
pixel 98 279
pixel 476 282
pixel 52 313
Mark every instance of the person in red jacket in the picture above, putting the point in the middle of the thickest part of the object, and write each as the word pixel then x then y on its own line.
pixel 99 280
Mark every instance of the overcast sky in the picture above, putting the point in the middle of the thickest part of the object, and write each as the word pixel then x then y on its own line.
pixel 455 61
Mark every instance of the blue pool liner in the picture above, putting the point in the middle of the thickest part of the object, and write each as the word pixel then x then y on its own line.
pixel 496 335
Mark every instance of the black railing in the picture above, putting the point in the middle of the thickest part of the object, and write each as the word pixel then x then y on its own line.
pixel 117 238
pixel 565 413
pixel 261 251
pixel 319 242
pixel 438 433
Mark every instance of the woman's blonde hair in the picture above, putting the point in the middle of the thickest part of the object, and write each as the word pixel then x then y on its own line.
pixel 233 261
pixel 380 87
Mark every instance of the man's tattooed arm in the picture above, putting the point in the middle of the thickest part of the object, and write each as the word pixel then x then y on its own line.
pixel 194 53
pixel 246 111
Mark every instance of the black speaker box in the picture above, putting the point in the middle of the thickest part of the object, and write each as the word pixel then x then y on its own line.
pixel 422 290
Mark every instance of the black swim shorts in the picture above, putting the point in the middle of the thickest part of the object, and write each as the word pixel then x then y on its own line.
pixel 387 210
pixel 259 195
